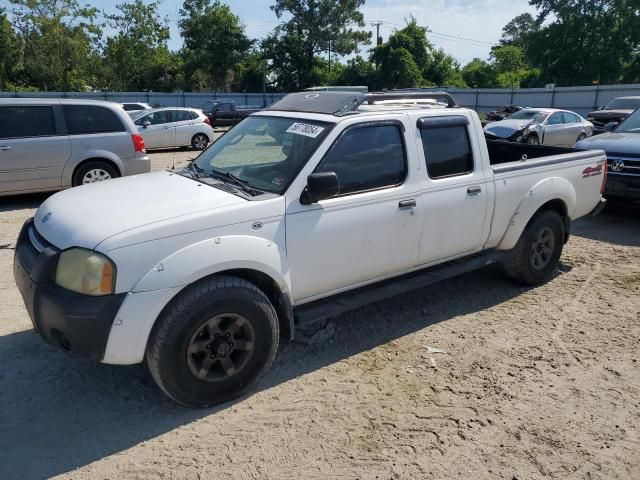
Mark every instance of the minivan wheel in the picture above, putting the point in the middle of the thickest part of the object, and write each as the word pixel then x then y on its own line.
pixel 533 140
pixel 581 137
pixel 94 171
pixel 199 141
pixel 535 257
pixel 213 342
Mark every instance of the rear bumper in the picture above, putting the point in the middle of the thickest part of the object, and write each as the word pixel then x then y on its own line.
pixel 68 320
pixel 136 166
pixel 598 208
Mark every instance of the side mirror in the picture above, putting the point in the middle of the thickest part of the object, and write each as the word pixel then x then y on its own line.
pixel 320 186
pixel 609 127
pixel 146 123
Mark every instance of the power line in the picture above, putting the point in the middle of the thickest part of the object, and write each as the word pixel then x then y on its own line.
pixel 445 36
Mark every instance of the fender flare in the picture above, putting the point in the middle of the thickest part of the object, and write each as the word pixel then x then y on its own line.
pixel 547 190
pixel 152 293
pixel 215 255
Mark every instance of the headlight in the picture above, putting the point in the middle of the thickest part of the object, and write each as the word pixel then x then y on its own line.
pixel 85 271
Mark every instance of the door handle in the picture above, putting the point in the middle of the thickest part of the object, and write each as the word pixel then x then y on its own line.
pixel 407 204
pixel 474 190
pixel 4 148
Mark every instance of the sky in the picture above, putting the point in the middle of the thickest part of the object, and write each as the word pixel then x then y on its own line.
pixel 463 28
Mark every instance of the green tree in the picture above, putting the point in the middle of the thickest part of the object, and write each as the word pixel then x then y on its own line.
pixel 402 58
pixel 9 52
pixel 517 31
pixel 511 67
pixel 136 57
pixel 60 39
pixel 478 74
pixel 584 41
pixel 214 43
pixel 443 70
pixel 357 71
pixel 314 28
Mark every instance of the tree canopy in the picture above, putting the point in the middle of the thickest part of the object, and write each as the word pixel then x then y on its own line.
pixel 67 45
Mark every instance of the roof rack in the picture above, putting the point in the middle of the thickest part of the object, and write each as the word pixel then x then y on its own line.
pixel 347 103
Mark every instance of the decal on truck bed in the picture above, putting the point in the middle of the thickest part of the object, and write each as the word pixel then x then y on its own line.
pixel 592 171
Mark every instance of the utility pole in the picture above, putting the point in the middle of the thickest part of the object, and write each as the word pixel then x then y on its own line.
pixel 377 25
pixel 329 62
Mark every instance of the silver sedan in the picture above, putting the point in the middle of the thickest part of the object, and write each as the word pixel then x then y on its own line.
pixel 174 127
pixel 541 126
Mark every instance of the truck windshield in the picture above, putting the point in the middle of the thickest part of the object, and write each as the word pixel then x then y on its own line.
pixel 631 124
pixel 529 115
pixel 265 153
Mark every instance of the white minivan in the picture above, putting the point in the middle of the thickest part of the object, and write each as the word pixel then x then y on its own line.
pixel 50 144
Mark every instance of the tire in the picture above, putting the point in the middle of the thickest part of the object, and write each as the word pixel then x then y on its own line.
pixel 213 342
pixel 94 171
pixel 581 137
pixel 199 141
pixel 533 140
pixel 535 257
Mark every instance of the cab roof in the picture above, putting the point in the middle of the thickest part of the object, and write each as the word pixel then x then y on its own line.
pixel 348 103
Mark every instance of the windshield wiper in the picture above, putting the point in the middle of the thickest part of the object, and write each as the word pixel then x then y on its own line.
pixel 237 181
pixel 193 170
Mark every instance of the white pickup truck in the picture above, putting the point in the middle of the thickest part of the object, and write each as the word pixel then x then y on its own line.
pixel 319 204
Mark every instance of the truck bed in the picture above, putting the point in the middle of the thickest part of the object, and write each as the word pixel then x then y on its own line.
pixel 505 152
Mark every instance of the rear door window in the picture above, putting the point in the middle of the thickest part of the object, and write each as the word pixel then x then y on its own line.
pixel 570 117
pixel 367 158
pixel 26 121
pixel 555 119
pixel 447 151
pixel 181 115
pixel 86 119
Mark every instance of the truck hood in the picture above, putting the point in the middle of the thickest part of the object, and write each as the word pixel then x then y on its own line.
pixel 613 143
pixel 86 216
pixel 506 128
pixel 609 114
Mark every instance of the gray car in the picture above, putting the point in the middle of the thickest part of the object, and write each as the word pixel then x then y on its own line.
pixel 50 144
pixel 541 126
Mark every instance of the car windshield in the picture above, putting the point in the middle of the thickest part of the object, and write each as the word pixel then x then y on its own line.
pixel 623 104
pixel 137 114
pixel 631 124
pixel 264 153
pixel 529 115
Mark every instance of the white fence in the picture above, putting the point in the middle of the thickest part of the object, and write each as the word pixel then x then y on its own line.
pixel 579 99
pixel 158 99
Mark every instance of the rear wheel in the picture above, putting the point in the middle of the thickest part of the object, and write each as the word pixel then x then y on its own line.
pixel 94 171
pixel 533 140
pixel 199 141
pixel 535 257
pixel 213 342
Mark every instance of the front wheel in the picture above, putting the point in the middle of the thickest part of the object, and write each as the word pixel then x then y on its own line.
pixel 533 140
pixel 535 257
pixel 581 137
pixel 199 141
pixel 213 342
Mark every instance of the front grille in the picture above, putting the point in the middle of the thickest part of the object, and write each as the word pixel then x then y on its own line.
pixel 621 165
pixel 37 240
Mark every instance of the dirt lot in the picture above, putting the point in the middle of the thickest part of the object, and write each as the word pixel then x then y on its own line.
pixel 535 383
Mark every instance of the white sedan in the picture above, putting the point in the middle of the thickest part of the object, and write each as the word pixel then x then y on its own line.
pixel 174 127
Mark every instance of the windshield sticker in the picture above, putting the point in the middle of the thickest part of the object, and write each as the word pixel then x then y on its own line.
pixel 305 129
